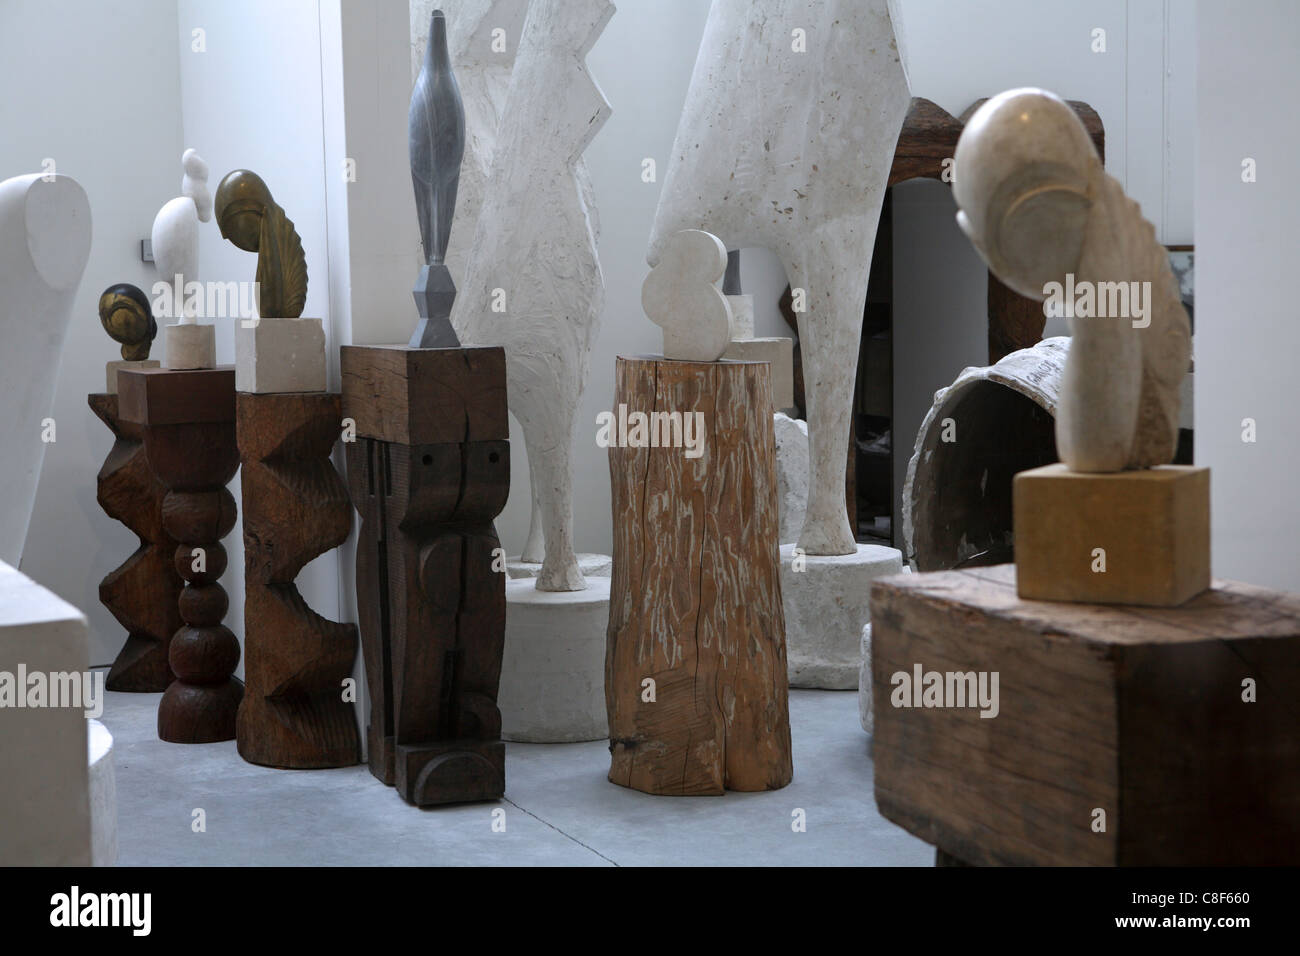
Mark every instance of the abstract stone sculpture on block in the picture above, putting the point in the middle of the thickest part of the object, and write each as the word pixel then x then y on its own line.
pixel 1037 203
pixel 437 144
pixel 44 246
pixel 188 344
pixel 533 283
pixel 680 295
pixel 789 147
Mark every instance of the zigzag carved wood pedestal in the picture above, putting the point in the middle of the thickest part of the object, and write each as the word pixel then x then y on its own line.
pixel 294 713
pixel 187 420
pixel 143 591
pixel 428 473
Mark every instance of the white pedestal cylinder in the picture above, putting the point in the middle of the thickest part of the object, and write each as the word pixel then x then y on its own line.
pixel 827 604
pixel 553 669
pixel 591 565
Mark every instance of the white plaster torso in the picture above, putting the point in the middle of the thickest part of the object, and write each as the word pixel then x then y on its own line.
pixel 175 235
pixel 534 253
pixel 45 233
pixel 792 150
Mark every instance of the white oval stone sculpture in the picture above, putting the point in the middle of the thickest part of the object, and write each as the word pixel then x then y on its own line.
pixel 1037 203
pixel 681 296
pixel 44 246
pixel 786 141
pixel 533 282
pixel 175 235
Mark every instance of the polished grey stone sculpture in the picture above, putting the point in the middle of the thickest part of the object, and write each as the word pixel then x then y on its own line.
pixel 437 143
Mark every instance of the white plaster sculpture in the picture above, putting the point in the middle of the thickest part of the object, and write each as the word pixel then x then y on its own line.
pixel 791 474
pixel 533 283
pixel 786 141
pixel 175 241
pixel 44 246
pixel 45 804
pixel 1037 203
pixel 681 296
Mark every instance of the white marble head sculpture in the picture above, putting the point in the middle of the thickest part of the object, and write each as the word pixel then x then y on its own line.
pixel 176 228
pixel 44 247
pixel 681 296
pixel 1036 202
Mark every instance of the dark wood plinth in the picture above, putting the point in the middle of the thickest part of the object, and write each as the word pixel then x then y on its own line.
pixel 294 714
pixel 428 473
pixel 187 420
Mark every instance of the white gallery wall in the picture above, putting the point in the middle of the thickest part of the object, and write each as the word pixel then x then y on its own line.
pixel 90 84
pixel 1247 330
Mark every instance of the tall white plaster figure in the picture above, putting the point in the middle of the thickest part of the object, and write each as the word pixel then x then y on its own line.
pixel 786 141
pixel 1039 206
pixel 533 282
pixel 44 246
pixel 175 234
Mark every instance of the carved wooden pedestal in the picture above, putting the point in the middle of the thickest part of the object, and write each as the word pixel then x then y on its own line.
pixel 428 473
pixel 295 507
pixel 143 592
pixel 188 426
pixel 695 598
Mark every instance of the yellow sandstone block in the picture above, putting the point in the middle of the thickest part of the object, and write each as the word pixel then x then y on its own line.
pixel 1131 537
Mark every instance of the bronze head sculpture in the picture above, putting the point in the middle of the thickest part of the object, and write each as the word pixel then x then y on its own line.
pixel 249 217
pixel 126 316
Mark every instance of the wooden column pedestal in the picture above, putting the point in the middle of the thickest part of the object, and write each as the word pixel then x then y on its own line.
pixel 143 591
pixel 428 473
pixel 296 507
pixel 695 597
pixel 1115 735
pixel 187 420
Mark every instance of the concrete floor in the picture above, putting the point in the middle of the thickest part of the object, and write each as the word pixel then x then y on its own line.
pixel 559 808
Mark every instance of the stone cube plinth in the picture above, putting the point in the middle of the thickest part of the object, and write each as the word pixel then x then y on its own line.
pixel 189 346
pixel 279 355
pixel 112 368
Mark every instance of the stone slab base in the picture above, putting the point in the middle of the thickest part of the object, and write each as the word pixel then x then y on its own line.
pixel 591 565
pixel 280 355
pixel 103 794
pixel 112 368
pixel 779 353
pixel 189 346
pixel 553 669
pixel 827 605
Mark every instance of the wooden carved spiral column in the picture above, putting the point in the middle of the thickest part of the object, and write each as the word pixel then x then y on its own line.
pixel 296 507
pixel 188 420
pixel 142 593
pixel 695 597
pixel 429 472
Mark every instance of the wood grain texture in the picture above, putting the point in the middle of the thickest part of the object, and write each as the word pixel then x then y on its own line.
pixel 142 592
pixel 424 396
pixel 296 507
pixel 928 138
pixel 1134 710
pixel 430 604
pixel 194 460
pixel 695 597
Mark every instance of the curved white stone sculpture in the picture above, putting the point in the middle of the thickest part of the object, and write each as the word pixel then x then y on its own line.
pixel 175 235
pixel 533 283
pixel 1037 203
pixel 786 141
pixel 44 245
pixel 681 296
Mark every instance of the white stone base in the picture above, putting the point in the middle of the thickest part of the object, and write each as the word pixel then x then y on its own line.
pixel 591 565
pixel 777 352
pixel 827 605
pixel 279 355
pixel 553 669
pixel 791 474
pixel 189 346
pixel 103 795
pixel 112 368
pixel 865 715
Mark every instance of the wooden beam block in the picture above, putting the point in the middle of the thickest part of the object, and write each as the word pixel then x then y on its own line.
pixel 165 396
pixel 1131 537
pixel 412 396
pixel 296 507
pixel 1138 712
pixel 695 596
